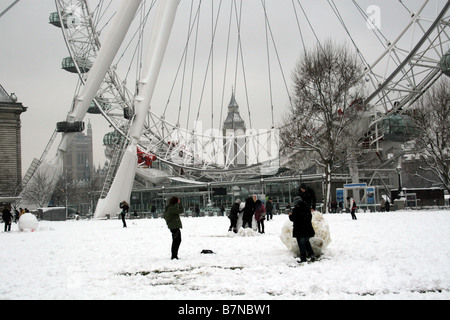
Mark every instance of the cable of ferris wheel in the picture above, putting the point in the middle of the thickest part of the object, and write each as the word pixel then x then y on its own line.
pixel 341 20
pixel 210 62
pixel 185 60
pixel 222 105
pixel 298 25
pixel 376 31
pixel 192 23
pixel 9 8
pixel 310 24
pixel 267 26
pixel 409 11
pixel 269 31
pixel 240 57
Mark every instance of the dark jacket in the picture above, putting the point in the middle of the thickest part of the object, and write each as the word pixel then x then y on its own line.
pixel 172 216
pixel 249 209
pixel 234 212
pixel 260 211
pixel 301 216
pixel 309 196
pixel 269 207
pixel 124 206
pixel 7 216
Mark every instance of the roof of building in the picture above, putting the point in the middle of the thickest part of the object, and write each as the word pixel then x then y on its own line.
pixel 234 118
pixel 4 96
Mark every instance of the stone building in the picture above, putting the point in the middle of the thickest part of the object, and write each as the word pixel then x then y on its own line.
pixel 10 143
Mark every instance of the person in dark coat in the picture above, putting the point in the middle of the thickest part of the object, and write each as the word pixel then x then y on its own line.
pixel 7 218
pixel 234 215
pixel 153 211
pixel 125 207
pixel 172 217
pixel 303 229
pixel 308 196
pixel 249 211
pixel 269 209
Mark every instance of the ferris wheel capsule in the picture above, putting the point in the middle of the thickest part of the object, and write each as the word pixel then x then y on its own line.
pixel 445 64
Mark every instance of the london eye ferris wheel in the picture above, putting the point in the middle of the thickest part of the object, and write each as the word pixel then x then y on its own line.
pixel 173 113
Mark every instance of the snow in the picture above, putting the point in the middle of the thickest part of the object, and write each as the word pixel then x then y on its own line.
pixel 395 255
pixel 319 242
pixel 28 222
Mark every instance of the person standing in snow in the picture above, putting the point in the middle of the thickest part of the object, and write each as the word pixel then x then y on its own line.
pixel 234 215
pixel 352 207
pixel 303 230
pixel 260 215
pixel 249 211
pixel 153 211
pixel 269 209
pixel 7 218
pixel 125 207
pixel 383 205
pixel 197 210
pixel 309 196
pixel 172 217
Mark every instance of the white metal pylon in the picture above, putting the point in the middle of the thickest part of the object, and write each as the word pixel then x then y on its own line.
pixel 52 169
pixel 123 181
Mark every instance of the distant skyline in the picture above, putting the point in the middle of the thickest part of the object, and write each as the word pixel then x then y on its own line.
pixel 32 51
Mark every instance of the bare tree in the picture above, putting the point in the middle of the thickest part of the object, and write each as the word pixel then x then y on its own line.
pixel 431 118
pixel 323 119
pixel 39 190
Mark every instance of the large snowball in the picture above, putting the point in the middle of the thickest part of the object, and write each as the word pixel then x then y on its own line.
pixel 28 222
pixel 319 242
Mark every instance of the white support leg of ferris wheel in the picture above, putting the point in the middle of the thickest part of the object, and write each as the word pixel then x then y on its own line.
pixel 52 169
pixel 123 181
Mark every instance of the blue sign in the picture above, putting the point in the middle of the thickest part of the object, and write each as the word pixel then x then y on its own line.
pixel 370 193
pixel 340 196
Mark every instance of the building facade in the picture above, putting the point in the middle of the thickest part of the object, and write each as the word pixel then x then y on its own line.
pixel 10 144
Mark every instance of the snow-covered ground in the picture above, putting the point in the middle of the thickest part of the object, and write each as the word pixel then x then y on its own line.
pixel 396 255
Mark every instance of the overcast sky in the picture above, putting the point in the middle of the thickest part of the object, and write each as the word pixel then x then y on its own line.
pixel 32 50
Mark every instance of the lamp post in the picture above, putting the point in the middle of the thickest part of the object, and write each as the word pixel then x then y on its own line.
pixel 400 188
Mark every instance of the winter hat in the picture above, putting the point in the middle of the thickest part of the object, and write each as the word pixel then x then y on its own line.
pixel 238 201
pixel 303 186
pixel 297 200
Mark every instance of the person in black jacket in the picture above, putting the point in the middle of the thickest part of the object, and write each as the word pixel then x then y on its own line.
pixel 125 207
pixel 249 211
pixel 309 196
pixel 7 218
pixel 234 215
pixel 269 209
pixel 303 229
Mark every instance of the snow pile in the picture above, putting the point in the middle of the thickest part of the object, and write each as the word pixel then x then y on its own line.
pixel 319 242
pixel 28 222
pixel 247 232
